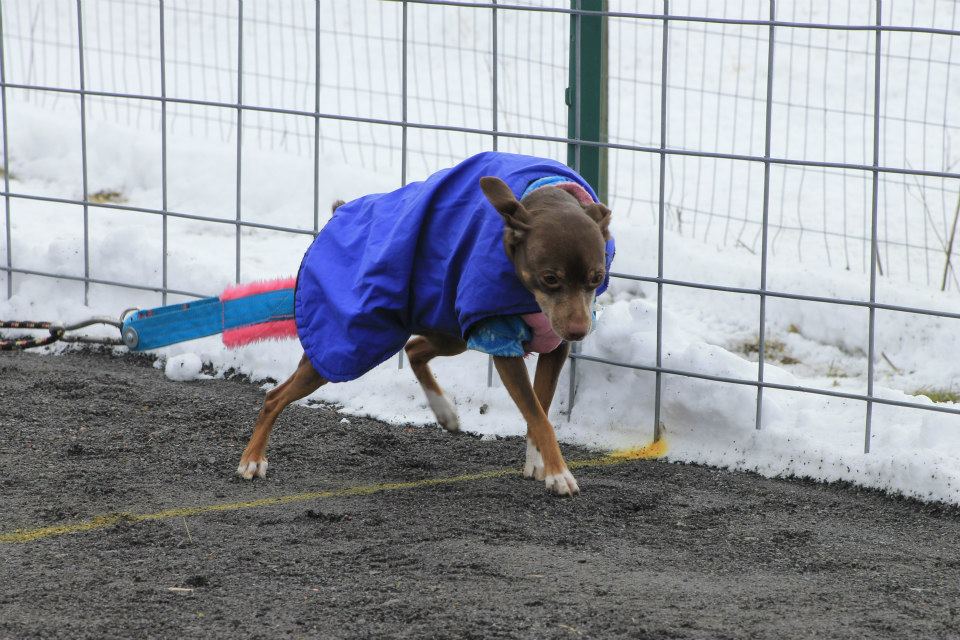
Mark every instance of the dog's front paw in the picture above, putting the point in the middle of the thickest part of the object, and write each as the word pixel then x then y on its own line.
pixel 562 483
pixel 533 466
pixel 444 410
pixel 250 468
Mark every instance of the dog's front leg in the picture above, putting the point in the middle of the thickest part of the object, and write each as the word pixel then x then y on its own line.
pixel 549 366
pixel 513 373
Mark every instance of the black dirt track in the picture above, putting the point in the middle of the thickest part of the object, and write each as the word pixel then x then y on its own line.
pixel 649 550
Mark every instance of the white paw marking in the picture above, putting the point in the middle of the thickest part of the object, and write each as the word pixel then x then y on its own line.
pixel 444 410
pixel 562 484
pixel 249 470
pixel 533 467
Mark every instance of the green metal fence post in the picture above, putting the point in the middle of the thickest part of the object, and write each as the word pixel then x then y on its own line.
pixel 587 93
pixel 587 113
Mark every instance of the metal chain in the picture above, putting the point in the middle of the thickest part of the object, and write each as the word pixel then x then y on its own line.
pixel 16 344
pixel 56 333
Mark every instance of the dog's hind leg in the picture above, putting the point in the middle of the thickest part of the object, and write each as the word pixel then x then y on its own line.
pixel 304 381
pixel 420 351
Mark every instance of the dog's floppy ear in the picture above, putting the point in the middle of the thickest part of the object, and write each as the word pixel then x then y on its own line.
pixel 515 217
pixel 601 215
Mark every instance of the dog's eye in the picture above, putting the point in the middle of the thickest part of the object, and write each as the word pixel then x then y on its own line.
pixel 550 280
pixel 596 280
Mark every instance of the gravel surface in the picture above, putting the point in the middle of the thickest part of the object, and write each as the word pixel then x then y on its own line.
pixel 649 550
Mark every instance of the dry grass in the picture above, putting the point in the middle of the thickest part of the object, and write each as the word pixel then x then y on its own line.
pixel 773 350
pixel 938 395
pixel 833 371
pixel 107 196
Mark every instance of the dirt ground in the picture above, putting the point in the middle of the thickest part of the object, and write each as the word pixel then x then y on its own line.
pixel 649 550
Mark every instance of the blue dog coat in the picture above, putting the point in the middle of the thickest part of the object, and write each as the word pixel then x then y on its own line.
pixel 426 257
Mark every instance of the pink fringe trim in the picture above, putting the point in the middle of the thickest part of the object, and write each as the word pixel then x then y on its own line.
pixel 276 330
pixel 253 288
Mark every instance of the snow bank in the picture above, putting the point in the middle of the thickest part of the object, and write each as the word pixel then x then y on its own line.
pixel 811 344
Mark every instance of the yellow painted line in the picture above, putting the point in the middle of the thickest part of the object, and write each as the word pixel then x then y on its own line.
pixel 105 521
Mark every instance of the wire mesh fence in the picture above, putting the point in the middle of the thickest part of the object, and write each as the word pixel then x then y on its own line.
pixel 821 98
pixel 784 131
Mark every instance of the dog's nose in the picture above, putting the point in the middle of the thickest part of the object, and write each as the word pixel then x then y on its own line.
pixel 577 331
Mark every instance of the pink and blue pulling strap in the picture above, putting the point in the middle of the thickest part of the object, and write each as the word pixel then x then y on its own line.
pixel 243 314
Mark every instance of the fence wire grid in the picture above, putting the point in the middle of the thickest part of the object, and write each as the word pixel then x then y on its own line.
pixel 814 132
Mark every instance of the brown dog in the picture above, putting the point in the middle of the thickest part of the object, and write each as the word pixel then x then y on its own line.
pixel 556 246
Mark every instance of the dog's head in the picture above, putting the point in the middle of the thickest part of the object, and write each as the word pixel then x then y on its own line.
pixel 557 247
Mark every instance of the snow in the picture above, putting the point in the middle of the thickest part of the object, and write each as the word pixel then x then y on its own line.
pixel 184 368
pixel 810 344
